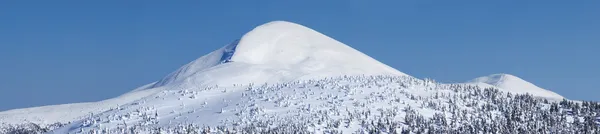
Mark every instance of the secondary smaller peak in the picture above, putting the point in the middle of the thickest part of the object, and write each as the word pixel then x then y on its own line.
pixel 514 84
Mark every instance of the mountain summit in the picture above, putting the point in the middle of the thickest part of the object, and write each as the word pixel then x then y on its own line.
pixel 515 84
pixel 277 51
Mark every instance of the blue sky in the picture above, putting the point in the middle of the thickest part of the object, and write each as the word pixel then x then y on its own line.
pixel 57 52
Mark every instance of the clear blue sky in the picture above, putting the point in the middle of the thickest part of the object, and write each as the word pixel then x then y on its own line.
pixel 57 52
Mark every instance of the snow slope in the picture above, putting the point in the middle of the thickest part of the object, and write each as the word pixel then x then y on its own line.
pixel 514 84
pixel 278 51
pixel 294 102
pixel 346 104
pixel 274 52
pixel 64 113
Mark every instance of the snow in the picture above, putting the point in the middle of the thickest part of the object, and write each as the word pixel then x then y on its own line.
pixel 514 84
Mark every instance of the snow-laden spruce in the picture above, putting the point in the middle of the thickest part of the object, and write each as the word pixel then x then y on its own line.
pixel 347 104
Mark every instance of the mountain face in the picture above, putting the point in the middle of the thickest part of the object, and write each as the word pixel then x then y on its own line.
pixel 282 77
pixel 514 84
pixel 278 51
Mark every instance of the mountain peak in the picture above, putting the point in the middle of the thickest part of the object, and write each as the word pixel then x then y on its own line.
pixel 514 84
pixel 280 41
pixel 277 51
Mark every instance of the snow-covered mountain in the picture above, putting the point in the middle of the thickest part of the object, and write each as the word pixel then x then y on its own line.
pixel 274 52
pixel 282 72
pixel 514 84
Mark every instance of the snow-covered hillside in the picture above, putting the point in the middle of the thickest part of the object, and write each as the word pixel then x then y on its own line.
pixel 347 104
pixel 64 113
pixel 282 72
pixel 514 84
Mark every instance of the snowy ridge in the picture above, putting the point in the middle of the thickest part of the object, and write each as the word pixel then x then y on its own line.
pixel 220 56
pixel 515 84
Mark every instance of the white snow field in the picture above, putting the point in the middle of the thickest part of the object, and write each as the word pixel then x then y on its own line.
pixel 279 71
